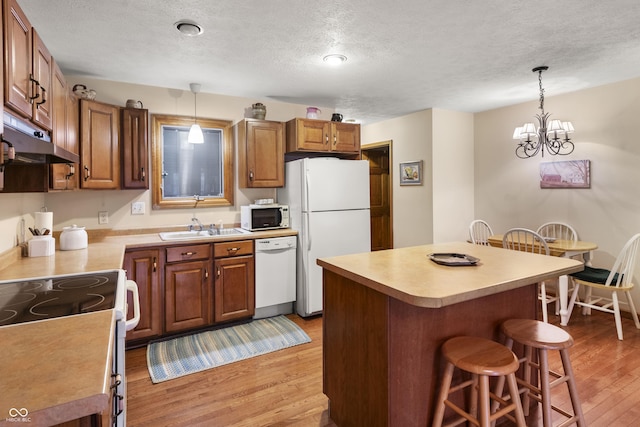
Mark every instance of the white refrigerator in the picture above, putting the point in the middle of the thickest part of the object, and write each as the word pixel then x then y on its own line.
pixel 328 202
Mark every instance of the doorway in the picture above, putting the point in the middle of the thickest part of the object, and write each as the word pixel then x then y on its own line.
pixel 379 157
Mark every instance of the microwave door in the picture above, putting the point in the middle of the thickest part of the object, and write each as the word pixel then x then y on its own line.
pixel 266 217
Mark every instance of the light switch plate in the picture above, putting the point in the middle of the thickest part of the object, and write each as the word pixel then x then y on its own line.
pixel 137 208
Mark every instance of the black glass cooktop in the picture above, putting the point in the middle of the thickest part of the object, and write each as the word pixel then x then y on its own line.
pixel 36 299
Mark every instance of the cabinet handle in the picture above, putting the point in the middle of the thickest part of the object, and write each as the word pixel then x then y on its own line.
pixel 155 264
pixel 143 175
pixel 34 89
pixel 251 175
pixel 206 273
pixel 87 173
pixel 326 138
pixel 44 98
pixel 188 253
pixel 232 251
pixel 335 140
pixel 217 273
pixel 72 171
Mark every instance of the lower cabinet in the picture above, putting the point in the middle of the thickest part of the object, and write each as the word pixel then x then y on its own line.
pixel 187 296
pixel 142 266
pixel 235 281
pixel 187 287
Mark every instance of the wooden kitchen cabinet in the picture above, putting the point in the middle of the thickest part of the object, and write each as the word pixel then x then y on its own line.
pixel 27 68
pixel 42 66
pixel 320 136
pixel 143 267
pixel 235 281
pixel 99 145
pixel 260 153
pixel 188 287
pixel 64 131
pixel 134 128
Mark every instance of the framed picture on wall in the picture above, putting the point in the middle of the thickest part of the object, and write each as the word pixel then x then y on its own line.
pixel 411 173
pixel 567 174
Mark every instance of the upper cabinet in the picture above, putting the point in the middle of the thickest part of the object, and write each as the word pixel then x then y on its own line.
pixel 320 136
pixel 134 137
pixel 99 145
pixel 260 153
pixel 27 68
pixel 64 130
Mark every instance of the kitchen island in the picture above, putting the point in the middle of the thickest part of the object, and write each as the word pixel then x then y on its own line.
pixel 387 313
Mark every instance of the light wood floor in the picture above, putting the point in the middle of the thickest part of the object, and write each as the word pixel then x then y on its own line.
pixel 284 388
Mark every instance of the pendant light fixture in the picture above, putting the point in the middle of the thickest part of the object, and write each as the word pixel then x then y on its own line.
pixel 195 133
pixel 552 136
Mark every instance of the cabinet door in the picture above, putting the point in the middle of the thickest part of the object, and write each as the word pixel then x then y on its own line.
pixel 17 47
pixel 234 288
pixel 308 135
pixel 59 100
pixel 99 145
pixel 42 105
pixel 187 296
pixel 135 147
pixel 142 268
pixel 261 153
pixel 64 131
pixel 345 137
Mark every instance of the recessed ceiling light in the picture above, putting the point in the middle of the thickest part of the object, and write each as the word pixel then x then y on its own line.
pixel 334 59
pixel 188 28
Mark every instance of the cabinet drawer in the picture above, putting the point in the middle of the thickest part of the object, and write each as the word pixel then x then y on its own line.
pixel 226 249
pixel 189 252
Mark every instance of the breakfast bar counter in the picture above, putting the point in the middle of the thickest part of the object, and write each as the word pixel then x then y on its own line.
pixel 387 313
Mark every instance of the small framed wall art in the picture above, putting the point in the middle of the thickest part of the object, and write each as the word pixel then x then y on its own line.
pixel 411 173
pixel 566 174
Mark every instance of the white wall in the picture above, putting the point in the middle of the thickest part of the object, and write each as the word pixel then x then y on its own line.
pixel 442 208
pixel 13 208
pixel 452 176
pixel 508 193
pixel 412 205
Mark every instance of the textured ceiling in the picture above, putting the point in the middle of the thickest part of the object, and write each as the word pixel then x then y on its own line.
pixel 403 56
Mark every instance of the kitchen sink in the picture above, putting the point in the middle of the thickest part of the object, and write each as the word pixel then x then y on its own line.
pixel 204 234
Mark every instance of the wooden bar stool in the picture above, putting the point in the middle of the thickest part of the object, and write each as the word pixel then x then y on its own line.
pixel 541 337
pixel 482 358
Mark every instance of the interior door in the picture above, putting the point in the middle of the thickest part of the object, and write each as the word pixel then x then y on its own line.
pixel 380 195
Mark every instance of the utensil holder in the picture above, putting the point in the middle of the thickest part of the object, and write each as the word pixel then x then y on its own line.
pixel 42 246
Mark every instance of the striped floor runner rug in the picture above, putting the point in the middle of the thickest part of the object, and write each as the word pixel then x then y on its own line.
pixel 205 350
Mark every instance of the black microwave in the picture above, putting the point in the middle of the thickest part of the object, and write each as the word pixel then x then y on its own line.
pixel 264 217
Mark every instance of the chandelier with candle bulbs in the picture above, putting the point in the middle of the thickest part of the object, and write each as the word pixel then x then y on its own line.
pixel 552 136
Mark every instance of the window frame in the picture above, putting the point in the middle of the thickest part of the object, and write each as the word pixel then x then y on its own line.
pixel 158 201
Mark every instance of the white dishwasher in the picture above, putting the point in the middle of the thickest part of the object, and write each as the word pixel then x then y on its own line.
pixel 275 268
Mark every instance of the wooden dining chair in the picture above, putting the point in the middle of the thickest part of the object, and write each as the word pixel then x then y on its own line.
pixel 479 232
pixel 610 282
pixel 525 240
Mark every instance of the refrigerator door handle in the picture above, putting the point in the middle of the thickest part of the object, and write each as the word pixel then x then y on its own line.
pixel 306 195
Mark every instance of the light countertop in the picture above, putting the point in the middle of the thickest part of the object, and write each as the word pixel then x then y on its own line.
pixel 107 253
pixel 58 369
pixel 408 275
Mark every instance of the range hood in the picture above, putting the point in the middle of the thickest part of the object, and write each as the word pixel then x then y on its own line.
pixel 32 145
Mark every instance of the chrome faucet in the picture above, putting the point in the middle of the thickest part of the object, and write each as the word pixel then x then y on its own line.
pixel 196 224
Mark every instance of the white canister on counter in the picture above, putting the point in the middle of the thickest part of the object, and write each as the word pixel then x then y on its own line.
pixel 73 238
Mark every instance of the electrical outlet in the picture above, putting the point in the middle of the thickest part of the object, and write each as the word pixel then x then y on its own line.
pixel 137 208
pixel 103 217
